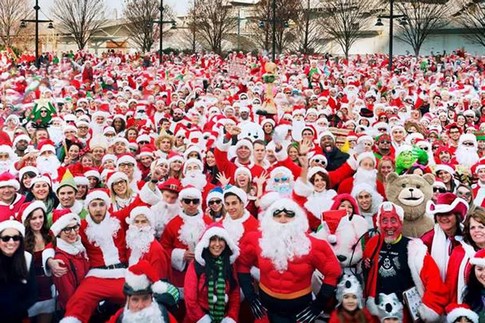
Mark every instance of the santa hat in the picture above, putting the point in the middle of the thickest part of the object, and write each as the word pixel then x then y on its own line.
pixel 69 128
pixel 215 193
pixel 191 149
pixel 125 159
pixel 390 208
pixel 243 170
pixel 234 190
pixel 468 137
pixel 444 167
pixel 332 219
pixel 173 156
pixel 455 311
pixel 7 179
pixel 120 140
pixel 479 258
pixel 349 285
pixel 41 179
pixel 98 140
pixel 192 161
pixel 19 138
pixel 142 278
pixel 281 169
pixel 363 138
pixel 46 145
pixel 28 169
pixel 326 133
pixel 448 203
pixel 172 185
pixel 98 194
pixel 319 159
pixel 115 177
pixel 13 224
pixel 364 155
pixel 190 192
pixel 61 219
pixel 146 151
pixel 67 180
pixel 28 208
pixel 285 205
pixel 140 210
pixel 81 181
pixel 143 137
pixel 246 143
pixel 215 229
pixel 92 172
pixel 315 169
pixel 108 157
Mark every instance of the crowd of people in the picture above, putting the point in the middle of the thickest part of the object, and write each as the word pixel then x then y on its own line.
pixel 212 189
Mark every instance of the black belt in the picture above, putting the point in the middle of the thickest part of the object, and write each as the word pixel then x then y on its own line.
pixel 115 266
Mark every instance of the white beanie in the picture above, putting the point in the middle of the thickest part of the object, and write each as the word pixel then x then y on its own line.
pixel 238 192
pixel 140 210
pixel 97 195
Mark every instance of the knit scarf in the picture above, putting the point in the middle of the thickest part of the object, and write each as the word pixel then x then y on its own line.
pixel 216 289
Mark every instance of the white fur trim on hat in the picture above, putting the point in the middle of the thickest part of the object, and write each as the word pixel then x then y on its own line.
pixel 326 133
pixel 108 157
pixel 19 138
pixel 137 282
pixel 121 140
pixel 126 159
pixel 142 138
pixel 364 155
pixel 33 206
pixel 39 179
pixel 246 143
pixel 190 192
pixel 192 149
pixel 243 170
pixel 361 139
pixel 81 180
pixel 47 147
pixel 192 161
pixel 313 170
pixel 26 169
pixel 459 312
pixel 443 167
pixel 281 169
pixel 117 176
pixel 97 195
pixel 175 158
pixel 478 261
pixel 444 208
pixel 13 182
pixel 93 173
pixel 238 192
pixel 13 224
pixel 205 239
pixel 63 222
pixel 140 210
pixel 214 195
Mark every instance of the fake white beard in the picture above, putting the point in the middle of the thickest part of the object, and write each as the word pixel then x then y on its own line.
pixel 100 234
pixel 195 178
pixel 365 176
pixel 138 240
pixel 151 314
pixel 5 166
pixel 48 165
pixel 191 230
pixel 234 228
pixel 97 128
pixel 466 156
pixel 284 242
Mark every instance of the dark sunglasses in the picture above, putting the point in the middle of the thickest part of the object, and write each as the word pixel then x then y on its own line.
pixel 282 179
pixel 381 129
pixel 215 202
pixel 319 161
pixel 193 201
pixel 385 142
pixel 14 238
pixel 69 229
pixel 424 148
pixel 439 189
pixel 289 213
pixel 470 144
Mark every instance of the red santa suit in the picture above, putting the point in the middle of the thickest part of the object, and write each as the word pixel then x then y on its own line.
pixel 458 271
pixel 181 234
pixel 77 264
pixel 424 273
pixel 237 228
pixel 8 210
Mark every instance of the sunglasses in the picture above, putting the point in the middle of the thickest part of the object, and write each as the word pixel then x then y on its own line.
pixel 289 213
pixel 319 161
pixel 282 179
pixel 14 238
pixel 463 193
pixel 193 201
pixel 470 144
pixel 424 148
pixel 439 189
pixel 385 142
pixel 71 229
pixel 215 202
pixel 381 129
pixel 144 142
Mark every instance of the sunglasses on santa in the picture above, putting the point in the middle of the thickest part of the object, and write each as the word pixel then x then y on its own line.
pixel 289 213
pixel 439 189
pixel 193 201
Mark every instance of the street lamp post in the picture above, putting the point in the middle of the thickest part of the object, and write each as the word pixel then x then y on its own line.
pixel 160 23
pixel 274 30
pixel 23 24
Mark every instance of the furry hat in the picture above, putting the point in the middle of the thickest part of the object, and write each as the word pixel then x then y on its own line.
pixel 215 229
pixel 349 285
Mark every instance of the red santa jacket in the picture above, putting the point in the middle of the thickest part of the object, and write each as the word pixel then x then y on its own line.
pixel 196 296
pixel 239 227
pixel 229 168
pixel 175 240
pixel 348 184
pixel 158 258
pixel 77 265
pixel 458 271
pixel 9 210
pixel 295 281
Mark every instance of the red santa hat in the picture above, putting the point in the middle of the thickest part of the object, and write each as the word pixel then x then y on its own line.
pixel 41 179
pixel 19 138
pixel 109 157
pixel 479 258
pixel 142 278
pixel 455 311
pixel 28 208
pixel 191 149
pixel 98 194
pixel 315 169
pixel 215 229
pixel 364 155
pixel 326 133
pixel 234 190
pixel 332 219
pixel 243 170
pixel 444 167
pixel 92 172
pixel 173 156
pixel 115 177
pixel 246 143
pixel 190 192
pixel 192 161
pixel 46 145
pixel 28 169
pixel 81 180
pixel 61 219
pixel 125 159
pixel 172 185
pixel 12 224
pixel 140 210
pixel 390 208
pixel 447 203
pixel 146 151
pixel 480 165
pixel 7 179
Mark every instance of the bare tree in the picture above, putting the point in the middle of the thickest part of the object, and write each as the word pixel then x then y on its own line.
pixel 11 12
pixel 422 18
pixel 143 18
pixel 190 34
pixel 287 14
pixel 471 16
pixel 81 18
pixel 214 21
pixel 344 20
pixel 309 27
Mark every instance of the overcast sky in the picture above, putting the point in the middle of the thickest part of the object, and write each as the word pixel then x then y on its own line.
pixel 179 6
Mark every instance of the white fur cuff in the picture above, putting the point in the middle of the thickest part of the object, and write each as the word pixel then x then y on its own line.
pixel 302 189
pixel 205 319
pixel 150 197
pixel 223 146
pixel 427 314
pixel 282 154
pixel 178 261
pixel 160 287
pixel 46 254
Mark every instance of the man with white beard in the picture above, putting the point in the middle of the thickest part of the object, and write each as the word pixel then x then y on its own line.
pixel 287 257
pixel 98 122
pixel 141 243
pixel 168 207
pixel 194 176
pixel 47 162
pixel 146 297
pixel 366 173
pixel 7 158
pixel 466 153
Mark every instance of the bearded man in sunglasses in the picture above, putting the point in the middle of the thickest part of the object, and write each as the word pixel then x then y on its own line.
pixel 286 256
pixel 182 234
